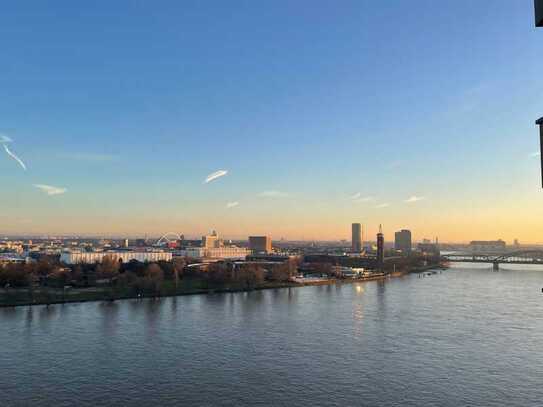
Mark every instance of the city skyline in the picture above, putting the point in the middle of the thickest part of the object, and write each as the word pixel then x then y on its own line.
pixel 125 128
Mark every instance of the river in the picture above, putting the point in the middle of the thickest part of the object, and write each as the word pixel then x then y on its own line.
pixel 467 336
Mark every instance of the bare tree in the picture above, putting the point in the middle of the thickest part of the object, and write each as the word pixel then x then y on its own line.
pixel 154 277
pixel 179 264
pixel 108 268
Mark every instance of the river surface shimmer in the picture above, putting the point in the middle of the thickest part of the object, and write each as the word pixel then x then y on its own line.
pixel 467 336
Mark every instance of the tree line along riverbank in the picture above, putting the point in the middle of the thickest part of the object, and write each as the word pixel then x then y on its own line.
pixel 49 282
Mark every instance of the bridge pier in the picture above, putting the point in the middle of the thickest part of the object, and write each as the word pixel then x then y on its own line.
pixel 496 266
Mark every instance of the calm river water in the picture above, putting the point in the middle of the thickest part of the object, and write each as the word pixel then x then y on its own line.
pixel 465 337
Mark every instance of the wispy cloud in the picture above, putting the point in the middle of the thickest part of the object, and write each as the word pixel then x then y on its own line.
pixel 364 199
pixel 414 198
pixel 272 194
pixel 214 175
pixel 356 196
pixel 88 156
pixel 8 151
pixel 535 154
pixel 50 190
pixel 383 205
pixel 230 205
pixel 5 139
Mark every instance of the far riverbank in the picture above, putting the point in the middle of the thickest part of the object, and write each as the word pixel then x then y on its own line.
pixel 48 296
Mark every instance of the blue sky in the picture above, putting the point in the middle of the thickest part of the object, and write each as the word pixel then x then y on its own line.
pixel 129 105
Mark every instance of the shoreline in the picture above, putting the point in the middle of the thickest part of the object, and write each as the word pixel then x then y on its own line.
pixel 97 295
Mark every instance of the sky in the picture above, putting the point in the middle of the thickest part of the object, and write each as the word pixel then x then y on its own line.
pixel 411 114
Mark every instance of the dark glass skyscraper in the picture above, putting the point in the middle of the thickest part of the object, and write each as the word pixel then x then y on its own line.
pixel 402 241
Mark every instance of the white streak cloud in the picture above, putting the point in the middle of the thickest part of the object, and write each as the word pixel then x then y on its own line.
pixel 8 151
pixel 356 196
pixel 364 199
pixel 5 139
pixel 230 205
pixel 214 175
pixel 50 190
pixel 383 205
pixel 414 199
pixel 272 194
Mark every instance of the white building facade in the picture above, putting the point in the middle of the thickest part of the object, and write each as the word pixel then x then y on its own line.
pixel 125 256
pixel 225 252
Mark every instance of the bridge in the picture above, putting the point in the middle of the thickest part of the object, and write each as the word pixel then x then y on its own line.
pixel 518 257
pixel 168 238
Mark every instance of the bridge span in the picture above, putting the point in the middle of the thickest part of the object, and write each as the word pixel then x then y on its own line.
pixel 517 257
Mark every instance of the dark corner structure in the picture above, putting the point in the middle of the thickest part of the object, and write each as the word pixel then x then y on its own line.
pixel 538 13
pixel 539 23
pixel 540 124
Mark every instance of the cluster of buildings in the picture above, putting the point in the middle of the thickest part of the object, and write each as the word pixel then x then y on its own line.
pixel 403 244
pixel 89 251
pixel 487 246
pixel 210 247
pixel 213 247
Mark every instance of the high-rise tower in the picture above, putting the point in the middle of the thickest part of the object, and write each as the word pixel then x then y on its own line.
pixel 380 247
pixel 402 241
pixel 356 237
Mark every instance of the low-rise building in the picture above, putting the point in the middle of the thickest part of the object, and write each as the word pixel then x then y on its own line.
pixel 429 249
pixel 260 244
pixel 225 252
pixel 487 246
pixel 125 256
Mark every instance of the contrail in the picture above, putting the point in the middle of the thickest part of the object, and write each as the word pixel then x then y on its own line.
pixel 50 190
pixel 230 205
pixel 414 199
pixel 21 163
pixel 5 139
pixel 215 175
